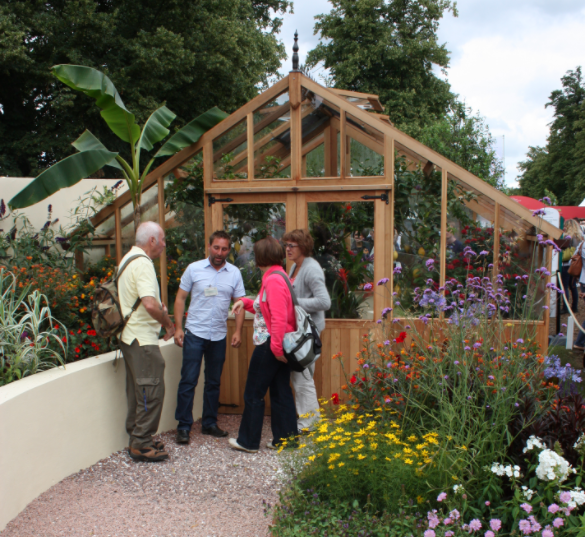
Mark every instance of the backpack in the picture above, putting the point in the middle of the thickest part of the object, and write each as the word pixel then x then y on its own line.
pixel 303 347
pixel 106 312
pixel 576 263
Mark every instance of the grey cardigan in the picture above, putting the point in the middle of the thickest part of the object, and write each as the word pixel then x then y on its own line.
pixel 309 286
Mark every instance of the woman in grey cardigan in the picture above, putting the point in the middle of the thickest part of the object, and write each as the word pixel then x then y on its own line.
pixel 308 282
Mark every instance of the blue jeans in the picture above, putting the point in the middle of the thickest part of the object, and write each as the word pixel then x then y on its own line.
pixel 265 372
pixel 194 349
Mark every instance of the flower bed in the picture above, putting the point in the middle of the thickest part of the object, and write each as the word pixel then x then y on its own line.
pixel 450 428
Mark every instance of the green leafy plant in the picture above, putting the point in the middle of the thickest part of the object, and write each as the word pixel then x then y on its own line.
pixel 93 155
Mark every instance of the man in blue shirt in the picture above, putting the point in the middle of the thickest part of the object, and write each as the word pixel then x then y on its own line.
pixel 213 283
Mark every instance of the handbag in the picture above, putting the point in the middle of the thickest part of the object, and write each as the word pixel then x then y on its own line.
pixel 576 262
pixel 303 347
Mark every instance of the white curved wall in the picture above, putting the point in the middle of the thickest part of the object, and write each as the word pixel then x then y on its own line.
pixel 55 423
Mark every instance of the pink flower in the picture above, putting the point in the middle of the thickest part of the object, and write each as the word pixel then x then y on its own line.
pixel 526 507
pixel 489 533
pixel 442 496
pixel 487 503
pixel 495 524
pixel 449 534
pixel 429 533
pixel 535 525
pixel 548 533
pixel 447 521
pixel 565 497
pixel 475 525
pixel 525 527
pixel 558 522
pixel 454 514
pixel 553 508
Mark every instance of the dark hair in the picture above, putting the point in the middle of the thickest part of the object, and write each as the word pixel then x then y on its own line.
pixel 303 238
pixel 268 252
pixel 219 234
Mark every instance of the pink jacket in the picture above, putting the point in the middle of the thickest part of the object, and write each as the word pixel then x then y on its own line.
pixel 278 310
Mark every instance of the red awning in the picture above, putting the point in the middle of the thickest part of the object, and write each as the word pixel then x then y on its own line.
pixel 567 212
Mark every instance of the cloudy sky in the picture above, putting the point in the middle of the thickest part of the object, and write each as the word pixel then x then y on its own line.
pixel 506 58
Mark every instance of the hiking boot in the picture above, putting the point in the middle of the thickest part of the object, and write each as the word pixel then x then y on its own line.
pixel 148 454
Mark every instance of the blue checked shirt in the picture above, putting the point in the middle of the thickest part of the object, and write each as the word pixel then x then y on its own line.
pixel 207 316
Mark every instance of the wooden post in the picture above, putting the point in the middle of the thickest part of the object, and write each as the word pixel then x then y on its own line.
pixel 389 179
pixel 548 291
pixel 382 250
pixel 207 180
pixel 296 133
pixel 443 245
pixel 343 142
pixel 250 128
pixel 108 250
pixel 327 151
pixel 496 262
pixel 164 293
pixel 79 261
pixel 118 228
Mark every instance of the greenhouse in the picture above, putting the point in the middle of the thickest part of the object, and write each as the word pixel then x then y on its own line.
pixel 379 205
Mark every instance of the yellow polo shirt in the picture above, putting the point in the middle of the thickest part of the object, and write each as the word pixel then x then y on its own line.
pixel 138 280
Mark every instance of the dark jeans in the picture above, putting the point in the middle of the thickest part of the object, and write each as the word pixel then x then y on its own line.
pixel 570 283
pixel 194 349
pixel 265 372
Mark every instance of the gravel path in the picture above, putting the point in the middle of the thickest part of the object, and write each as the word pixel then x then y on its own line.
pixel 205 489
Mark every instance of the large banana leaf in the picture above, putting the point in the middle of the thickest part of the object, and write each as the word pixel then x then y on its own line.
pixel 87 141
pixel 191 132
pixel 65 173
pixel 155 128
pixel 99 87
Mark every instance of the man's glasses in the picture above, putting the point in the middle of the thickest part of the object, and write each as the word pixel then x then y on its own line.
pixel 290 245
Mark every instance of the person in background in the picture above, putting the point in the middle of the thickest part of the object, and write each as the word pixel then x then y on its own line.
pixel 580 341
pixel 573 229
pixel 308 282
pixel 274 316
pixel 454 245
pixel 144 363
pixel 212 283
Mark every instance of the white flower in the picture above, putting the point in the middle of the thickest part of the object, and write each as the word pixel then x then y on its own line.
pixel 528 493
pixel 578 496
pixel 580 443
pixel 457 488
pixel 533 442
pixel 500 469
pixel 552 467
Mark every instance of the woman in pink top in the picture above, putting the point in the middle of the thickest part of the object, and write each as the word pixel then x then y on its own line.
pixel 274 316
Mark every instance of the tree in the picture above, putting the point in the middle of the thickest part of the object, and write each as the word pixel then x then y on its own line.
pixel 93 154
pixel 389 48
pixel 190 56
pixel 465 139
pixel 560 165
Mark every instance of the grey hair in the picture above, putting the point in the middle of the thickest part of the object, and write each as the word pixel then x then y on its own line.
pixel 145 231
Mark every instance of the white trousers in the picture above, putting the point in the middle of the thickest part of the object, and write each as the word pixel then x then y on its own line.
pixel 305 397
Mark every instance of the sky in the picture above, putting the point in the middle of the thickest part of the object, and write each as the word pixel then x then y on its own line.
pixel 507 56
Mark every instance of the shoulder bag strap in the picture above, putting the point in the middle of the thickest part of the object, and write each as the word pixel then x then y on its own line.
pixel 138 300
pixel 292 291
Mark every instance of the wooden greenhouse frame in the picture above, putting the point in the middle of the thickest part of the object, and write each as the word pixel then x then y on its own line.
pixel 349 115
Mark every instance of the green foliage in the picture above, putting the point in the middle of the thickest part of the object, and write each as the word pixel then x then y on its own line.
pixel 388 47
pixel 189 56
pixel 29 334
pixel 465 139
pixel 559 166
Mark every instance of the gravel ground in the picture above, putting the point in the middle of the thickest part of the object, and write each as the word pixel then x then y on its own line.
pixel 205 489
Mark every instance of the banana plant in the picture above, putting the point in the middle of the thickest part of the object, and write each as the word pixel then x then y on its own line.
pixel 93 155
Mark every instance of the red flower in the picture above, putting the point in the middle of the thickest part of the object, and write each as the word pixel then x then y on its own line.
pixel 401 337
pixel 91 333
pixel 335 398
pixel 77 349
pixel 352 380
pixel 64 339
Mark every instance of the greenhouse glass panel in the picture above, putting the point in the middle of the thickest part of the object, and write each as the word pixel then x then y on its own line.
pixel 230 153
pixel 364 149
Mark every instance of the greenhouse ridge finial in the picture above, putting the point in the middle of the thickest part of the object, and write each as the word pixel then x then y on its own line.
pixel 295 57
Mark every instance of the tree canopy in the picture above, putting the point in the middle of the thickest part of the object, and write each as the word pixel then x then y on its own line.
pixel 560 165
pixel 190 56
pixel 389 48
pixel 465 138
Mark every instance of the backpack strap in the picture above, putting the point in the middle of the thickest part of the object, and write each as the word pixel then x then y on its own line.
pixel 119 273
pixel 292 291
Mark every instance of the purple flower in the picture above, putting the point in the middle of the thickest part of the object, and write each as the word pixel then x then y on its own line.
pixel 386 311
pixel 456 362
pixel 383 281
pixel 387 342
pixel 484 252
pixel 397 270
pixel 538 212
pixel 430 264
pixel 366 366
pixel 367 287
pixel 466 348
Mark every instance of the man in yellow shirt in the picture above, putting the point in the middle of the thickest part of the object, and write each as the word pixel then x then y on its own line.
pixel 145 366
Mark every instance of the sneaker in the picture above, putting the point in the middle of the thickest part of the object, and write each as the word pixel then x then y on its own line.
pixel 270 445
pixel 234 445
